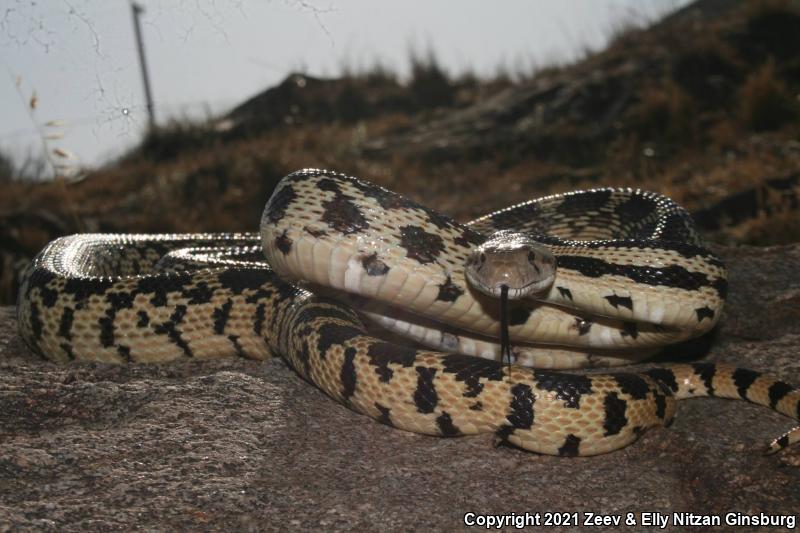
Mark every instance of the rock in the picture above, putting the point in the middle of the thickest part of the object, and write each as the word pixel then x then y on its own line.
pixel 244 445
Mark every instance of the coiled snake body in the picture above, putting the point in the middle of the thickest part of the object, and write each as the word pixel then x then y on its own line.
pixel 631 276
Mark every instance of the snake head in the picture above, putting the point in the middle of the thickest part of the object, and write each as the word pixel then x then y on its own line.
pixel 512 259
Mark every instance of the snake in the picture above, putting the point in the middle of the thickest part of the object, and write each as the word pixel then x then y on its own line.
pixel 338 260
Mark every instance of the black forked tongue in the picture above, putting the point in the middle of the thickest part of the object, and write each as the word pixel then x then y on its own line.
pixel 505 342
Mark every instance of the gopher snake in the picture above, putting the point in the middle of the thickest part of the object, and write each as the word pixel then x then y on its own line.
pixel 631 276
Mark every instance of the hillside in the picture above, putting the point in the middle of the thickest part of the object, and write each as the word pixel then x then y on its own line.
pixel 702 106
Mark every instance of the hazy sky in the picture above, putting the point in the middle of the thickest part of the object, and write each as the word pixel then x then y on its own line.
pixel 79 56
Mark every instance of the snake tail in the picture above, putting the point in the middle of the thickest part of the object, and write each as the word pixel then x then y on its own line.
pixel 728 381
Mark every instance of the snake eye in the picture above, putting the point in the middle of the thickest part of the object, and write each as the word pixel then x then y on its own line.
pixel 531 257
pixel 483 258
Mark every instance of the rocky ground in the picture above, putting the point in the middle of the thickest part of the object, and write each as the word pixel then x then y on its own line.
pixel 234 444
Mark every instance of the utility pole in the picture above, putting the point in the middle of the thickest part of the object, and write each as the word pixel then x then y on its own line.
pixel 148 95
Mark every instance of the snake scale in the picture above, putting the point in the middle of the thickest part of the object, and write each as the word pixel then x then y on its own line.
pixel 631 276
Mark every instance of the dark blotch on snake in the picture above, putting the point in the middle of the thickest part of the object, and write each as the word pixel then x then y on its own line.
pixel 36 321
pixel 615 410
pixel 449 291
pixel 283 243
pixel 382 354
pixel 276 207
pixel 39 278
pixel 568 387
pixel 107 328
pixel 332 333
pixel 467 367
pixel 620 301
pixel 438 219
pixel 743 378
pixel 65 324
pixel 201 293
pixel 565 292
pixel 629 329
pixel 144 319
pixel 386 414
pixel 169 329
pixel 469 238
pixel 446 427
pixel 343 215
pixel 348 374
pixel 706 372
pixel 470 370
pixel 221 315
pixel 635 209
pixel 373 266
pixel 49 296
pixel 570 446
pixel 258 295
pixel 159 286
pixel 522 399
pixel 420 245
pixel 425 397
pixel 665 376
pixel 777 391
pixel 258 319
pixel 327 184
pixel 704 312
pixel 124 352
pixel 120 300
pixel 82 288
pixel 580 202
pixel 661 405
pixel 635 386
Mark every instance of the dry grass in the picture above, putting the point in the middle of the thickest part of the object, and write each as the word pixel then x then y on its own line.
pixel 765 102
pixel 665 112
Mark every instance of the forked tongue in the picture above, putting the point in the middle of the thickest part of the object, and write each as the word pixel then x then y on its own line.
pixel 505 342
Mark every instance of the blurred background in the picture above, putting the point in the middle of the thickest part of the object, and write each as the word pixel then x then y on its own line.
pixel 467 107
